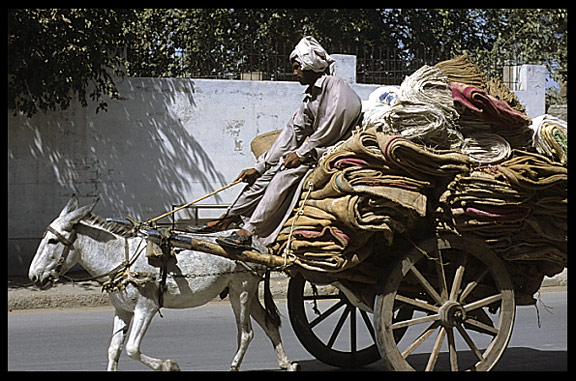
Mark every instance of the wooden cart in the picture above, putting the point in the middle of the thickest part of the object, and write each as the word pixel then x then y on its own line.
pixel 446 302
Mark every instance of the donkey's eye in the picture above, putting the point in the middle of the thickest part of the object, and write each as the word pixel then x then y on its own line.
pixel 52 241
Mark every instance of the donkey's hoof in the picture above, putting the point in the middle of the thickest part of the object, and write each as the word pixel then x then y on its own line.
pixel 293 367
pixel 170 366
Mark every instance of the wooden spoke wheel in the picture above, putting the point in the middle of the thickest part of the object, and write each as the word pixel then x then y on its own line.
pixel 464 307
pixel 331 328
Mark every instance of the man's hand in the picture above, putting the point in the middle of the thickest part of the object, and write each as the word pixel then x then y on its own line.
pixel 292 160
pixel 248 175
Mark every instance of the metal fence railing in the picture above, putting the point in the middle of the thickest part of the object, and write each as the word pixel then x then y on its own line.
pixel 385 66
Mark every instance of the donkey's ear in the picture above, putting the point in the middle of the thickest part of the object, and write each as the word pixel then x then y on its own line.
pixel 76 215
pixel 70 206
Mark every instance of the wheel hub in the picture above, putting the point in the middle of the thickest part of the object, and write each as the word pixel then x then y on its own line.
pixel 451 314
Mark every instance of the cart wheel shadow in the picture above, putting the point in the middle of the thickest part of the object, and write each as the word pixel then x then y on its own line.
pixel 513 359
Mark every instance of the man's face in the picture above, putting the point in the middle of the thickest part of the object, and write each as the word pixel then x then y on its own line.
pixel 305 77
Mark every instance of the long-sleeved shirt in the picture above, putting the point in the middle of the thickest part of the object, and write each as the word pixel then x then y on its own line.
pixel 328 113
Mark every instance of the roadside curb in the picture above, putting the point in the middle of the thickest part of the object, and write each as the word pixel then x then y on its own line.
pixel 23 296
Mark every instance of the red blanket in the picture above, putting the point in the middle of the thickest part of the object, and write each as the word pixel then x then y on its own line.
pixel 486 107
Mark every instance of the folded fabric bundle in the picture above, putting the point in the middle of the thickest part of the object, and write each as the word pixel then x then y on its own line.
pixel 550 137
pixel 481 183
pixel 349 192
pixel 541 251
pixel 383 215
pixel 533 171
pixel 421 162
pixel 519 207
pixel 324 248
pixel 488 108
pixel 459 69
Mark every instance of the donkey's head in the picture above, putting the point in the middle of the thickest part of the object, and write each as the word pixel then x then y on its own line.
pixel 56 254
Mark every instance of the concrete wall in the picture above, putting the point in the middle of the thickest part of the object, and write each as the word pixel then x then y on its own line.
pixel 169 142
pixel 531 89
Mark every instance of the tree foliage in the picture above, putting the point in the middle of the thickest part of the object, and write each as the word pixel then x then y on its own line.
pixel 55 55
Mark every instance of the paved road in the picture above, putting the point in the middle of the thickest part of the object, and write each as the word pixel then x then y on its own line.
pixel 204 339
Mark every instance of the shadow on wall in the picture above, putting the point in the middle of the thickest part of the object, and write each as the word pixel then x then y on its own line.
pixel 152 160
pixel 139 157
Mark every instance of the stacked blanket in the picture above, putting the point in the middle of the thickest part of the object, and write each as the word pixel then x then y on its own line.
pixel 519 207
pixel 373 183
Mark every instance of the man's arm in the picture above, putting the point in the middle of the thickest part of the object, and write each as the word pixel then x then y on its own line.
pixel 339 108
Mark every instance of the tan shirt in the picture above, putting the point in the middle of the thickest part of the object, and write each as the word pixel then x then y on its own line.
pixel 328 113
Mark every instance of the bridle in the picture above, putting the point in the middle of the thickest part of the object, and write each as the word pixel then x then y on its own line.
pixel 68 245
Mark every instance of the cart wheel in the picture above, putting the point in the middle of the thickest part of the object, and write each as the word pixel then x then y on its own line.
pixel 464 302
pixel 319 321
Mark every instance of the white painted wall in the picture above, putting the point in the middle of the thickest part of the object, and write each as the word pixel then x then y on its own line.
pixel 531 88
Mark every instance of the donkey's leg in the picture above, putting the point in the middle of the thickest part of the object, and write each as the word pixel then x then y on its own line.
pixel 241 295
pixel 121 323
pixel 273 332
pixel 143 315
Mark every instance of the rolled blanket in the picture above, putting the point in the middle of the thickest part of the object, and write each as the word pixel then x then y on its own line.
pixel 425 111
pixel 550 137
pixel 486 147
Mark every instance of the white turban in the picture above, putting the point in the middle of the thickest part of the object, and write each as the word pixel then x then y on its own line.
pixel 311 55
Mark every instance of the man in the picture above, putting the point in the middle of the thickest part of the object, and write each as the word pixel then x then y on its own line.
pixel 328 113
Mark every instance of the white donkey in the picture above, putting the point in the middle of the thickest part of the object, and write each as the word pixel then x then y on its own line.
pixel 102 248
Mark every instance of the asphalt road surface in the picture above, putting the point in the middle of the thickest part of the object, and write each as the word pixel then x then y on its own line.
pixel 204 339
